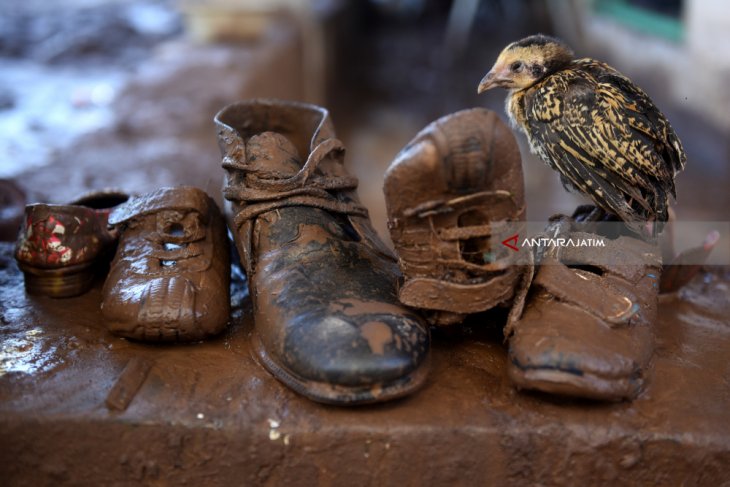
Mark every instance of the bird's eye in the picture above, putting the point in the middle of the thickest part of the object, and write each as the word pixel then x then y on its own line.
pixel 517 66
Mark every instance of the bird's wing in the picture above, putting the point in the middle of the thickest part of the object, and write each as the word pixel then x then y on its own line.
pixel 644 116
pixel 603 141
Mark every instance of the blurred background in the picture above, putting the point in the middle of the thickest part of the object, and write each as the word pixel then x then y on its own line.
pixel 122 93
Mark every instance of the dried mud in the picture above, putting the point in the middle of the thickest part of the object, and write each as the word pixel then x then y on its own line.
pixel 208 413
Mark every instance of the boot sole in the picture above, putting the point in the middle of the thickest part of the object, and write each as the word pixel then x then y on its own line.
pixel 342 395
pixel 585 385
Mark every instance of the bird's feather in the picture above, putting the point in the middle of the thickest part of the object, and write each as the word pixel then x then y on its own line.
pixel 605 136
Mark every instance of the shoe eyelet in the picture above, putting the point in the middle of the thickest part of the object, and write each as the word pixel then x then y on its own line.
pixel 175 230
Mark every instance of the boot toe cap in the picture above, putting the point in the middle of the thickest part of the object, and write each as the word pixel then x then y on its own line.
pixel 161 309
pixel 577 354
pixel 360 350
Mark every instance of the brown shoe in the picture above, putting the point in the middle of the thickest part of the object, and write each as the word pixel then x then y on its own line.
pixel 327 319
pixel 61 247
pixel 453 194
pixel 169 280
pixel 587 327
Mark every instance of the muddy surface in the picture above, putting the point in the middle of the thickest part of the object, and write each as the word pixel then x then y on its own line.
pixel 64 65
pixel 128 101
pixel 207 412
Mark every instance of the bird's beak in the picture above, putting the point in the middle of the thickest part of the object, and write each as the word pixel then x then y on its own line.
pixel 492 79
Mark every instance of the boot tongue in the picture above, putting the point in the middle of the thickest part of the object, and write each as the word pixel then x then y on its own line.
pixel 271 155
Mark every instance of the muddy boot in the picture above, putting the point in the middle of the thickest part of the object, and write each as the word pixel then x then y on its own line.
pixel 587 326
pixel 327 319
pixel 453 195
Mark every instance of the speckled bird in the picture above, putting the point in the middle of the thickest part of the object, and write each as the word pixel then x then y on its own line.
pixel 594 126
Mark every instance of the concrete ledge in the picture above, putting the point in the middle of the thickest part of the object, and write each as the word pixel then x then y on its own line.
pixel 79 406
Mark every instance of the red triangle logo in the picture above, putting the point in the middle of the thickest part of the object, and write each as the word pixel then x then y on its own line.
pixel 511 242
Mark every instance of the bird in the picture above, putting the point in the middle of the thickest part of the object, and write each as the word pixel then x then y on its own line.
pixel 594 126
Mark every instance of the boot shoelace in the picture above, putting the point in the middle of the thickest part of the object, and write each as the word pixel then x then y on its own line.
pixel 305 188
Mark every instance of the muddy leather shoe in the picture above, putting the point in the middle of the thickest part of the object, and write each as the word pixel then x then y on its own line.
pixel 327 319
pixel 60 248
pixel 587 326
pixel 453 194
pixel 169 280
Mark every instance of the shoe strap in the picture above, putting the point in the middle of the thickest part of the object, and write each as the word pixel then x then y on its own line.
pixel 474 231
pixel 585 290
pixel 437 207
pixel 624 261
pixel 185 252
pixel 430 209
pixel 625 256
